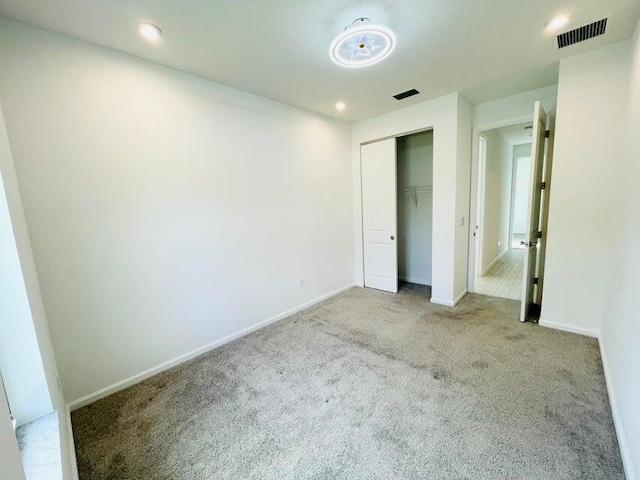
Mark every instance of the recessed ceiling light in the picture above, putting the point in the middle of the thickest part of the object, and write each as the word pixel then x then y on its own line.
pixel 557 22
pixel 149 31
pixel 362 44
pixel 340 106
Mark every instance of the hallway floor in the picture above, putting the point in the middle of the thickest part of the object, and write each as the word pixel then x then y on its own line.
pixel 505 277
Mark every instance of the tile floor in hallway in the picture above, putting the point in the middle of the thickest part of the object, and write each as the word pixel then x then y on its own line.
pixel 504 279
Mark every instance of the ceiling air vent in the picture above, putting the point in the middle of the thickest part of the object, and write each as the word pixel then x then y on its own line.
pixel 583 33
pixel 408 93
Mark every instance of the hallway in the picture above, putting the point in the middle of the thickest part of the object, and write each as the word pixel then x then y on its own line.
pixel 504 279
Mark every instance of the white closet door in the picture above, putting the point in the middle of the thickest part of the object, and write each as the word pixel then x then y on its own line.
pixel 533 211
pixel 379 215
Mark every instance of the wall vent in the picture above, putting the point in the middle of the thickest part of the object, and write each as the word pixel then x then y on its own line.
pixel 408 93
pixel 582 33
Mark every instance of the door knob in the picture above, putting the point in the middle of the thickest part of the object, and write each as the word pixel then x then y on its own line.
pixel 392 237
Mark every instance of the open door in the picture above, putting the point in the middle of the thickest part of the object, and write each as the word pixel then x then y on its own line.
pixel 530 241
pixel 379 215
pixel 544 210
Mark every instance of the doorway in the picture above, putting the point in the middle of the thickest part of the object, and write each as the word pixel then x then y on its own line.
pixel 503 182
pixel 397 201
pixel 494 258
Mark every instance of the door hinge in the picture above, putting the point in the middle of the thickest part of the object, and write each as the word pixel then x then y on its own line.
pixel 535 281
pixel 547 133
pixel 539 234
pixel 543 185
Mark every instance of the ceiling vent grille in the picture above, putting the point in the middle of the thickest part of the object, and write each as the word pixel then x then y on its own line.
pixel 583 33
pixel 408 93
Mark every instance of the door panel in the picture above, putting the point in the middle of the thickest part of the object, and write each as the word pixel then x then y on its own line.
pixel 533 209
pixel 379 215
pixel 544 211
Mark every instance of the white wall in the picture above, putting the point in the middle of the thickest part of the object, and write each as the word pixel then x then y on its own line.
pixel 522 167
pixel 166 212
pixel 20 360
pixel 497 198
pixel 31 286
pixel 415 222
pixel 509 110
pixel 462 189
pixel 592 101
pixel 443 117
pixel 620 326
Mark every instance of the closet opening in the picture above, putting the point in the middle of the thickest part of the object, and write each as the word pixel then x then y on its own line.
pixel 415 209
pixel 397 212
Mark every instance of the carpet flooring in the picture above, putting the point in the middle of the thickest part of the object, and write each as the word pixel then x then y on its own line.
pixel 367 385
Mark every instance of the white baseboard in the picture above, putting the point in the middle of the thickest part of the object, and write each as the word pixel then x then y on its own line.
pixel 121 385
pixel 71 444
pixel 617 421
pixel 449 303
pixel 418 281
pixel 446 303
pixel 495 260
pixel 569 328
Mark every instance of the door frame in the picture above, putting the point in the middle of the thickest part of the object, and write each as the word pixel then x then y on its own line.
pixel 473 198
pixel 360 195
pixel 482 184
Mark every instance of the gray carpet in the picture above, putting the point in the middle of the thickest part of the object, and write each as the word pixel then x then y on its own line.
pixel 367 385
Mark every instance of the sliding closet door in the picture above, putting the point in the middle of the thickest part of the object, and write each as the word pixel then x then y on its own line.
pixel 379 215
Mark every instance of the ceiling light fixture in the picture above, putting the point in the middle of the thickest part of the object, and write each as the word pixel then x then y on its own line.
pixel 361 44
pixel 149 31
pixel 557 22
pixel 340 106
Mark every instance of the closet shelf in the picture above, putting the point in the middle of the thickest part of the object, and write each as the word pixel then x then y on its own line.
pixel 424 188
pixel 413 191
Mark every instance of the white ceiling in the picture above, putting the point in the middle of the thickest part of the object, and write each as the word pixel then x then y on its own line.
pixel 486 49
pixel 516 134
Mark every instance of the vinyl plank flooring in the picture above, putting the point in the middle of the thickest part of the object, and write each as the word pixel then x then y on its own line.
pixel 39 442
pixel 504 279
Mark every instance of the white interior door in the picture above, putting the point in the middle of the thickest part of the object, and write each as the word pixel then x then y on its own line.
pixel 379 215
pixel 530 241
pixel 544 210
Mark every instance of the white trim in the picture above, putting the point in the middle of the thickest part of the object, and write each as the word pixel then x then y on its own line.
pixel 419 281
pixel 121 385
pixel 569 328
pixel 625 453
pixel 448 303
pixel 72 448
pixel 460 297
pixel 495 260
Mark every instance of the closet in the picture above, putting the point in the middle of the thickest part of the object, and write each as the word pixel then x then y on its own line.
pixel 397 205
pixel 415 206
